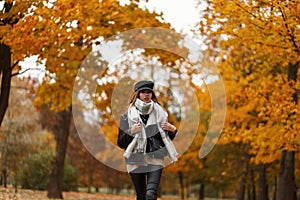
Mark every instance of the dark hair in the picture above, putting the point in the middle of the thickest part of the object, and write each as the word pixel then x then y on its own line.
pixel 135 95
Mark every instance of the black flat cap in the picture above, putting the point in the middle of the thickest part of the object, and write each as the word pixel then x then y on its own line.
pixel 143 85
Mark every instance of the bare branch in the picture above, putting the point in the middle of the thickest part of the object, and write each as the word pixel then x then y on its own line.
pixel 15 64
pixel 23 72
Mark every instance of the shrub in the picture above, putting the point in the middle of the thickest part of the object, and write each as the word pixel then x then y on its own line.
pixel 36 170
pixel 70 178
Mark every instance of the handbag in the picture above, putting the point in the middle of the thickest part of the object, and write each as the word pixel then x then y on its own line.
pixel 136 158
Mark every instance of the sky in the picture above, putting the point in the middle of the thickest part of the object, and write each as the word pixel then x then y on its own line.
pixel 181 14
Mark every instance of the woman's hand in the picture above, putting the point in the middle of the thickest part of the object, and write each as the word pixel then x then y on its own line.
pixel 136 128
pixel 168 127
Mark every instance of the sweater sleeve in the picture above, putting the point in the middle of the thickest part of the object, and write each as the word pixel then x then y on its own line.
pixel 172 135
pixel 124 137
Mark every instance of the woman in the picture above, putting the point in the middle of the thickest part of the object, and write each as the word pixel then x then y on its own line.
pixel 146 136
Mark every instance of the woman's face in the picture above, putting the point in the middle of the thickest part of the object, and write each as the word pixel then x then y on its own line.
pixel 145 95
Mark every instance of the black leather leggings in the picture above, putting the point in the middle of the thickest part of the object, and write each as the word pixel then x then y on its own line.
pixel 146 183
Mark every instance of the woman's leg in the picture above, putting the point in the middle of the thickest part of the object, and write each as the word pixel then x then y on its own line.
pixel 139 182
pixel 153 183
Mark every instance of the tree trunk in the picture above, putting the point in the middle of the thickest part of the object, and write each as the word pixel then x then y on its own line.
pixel 275 188
pixel 62 130
pixel 262 183
pixel 16 183
pixel 91 180
pixel 181 184
pixel 6 72
pixel 286 183
pixel 4 175
pixel 242 188
pixel 292 76
pixel 187 189
pixel 252 191
pixel 201 192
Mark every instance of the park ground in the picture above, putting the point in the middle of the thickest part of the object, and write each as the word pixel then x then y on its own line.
pixel 10 194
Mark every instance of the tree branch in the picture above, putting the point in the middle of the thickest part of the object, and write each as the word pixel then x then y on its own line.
pixel 23 72
pixel 15 64
pixel 250 13
pixel 290 34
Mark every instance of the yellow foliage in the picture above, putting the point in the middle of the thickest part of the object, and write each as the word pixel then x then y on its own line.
pixel 62 33
pixel 256 41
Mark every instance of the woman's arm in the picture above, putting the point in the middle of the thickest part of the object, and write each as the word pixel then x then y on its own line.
pixel 170 128
pixel 124 137
pixel 172 135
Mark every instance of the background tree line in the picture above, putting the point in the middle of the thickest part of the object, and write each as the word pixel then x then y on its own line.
pixel 255 45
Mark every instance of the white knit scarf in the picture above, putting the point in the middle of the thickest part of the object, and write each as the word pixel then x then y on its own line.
pixel 156 116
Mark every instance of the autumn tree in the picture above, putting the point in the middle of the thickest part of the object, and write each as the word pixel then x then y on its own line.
pixel 92 173
pixel 5 66
pixel 11 13
pixel 257 48
pixel 62 33
pixel 20 131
